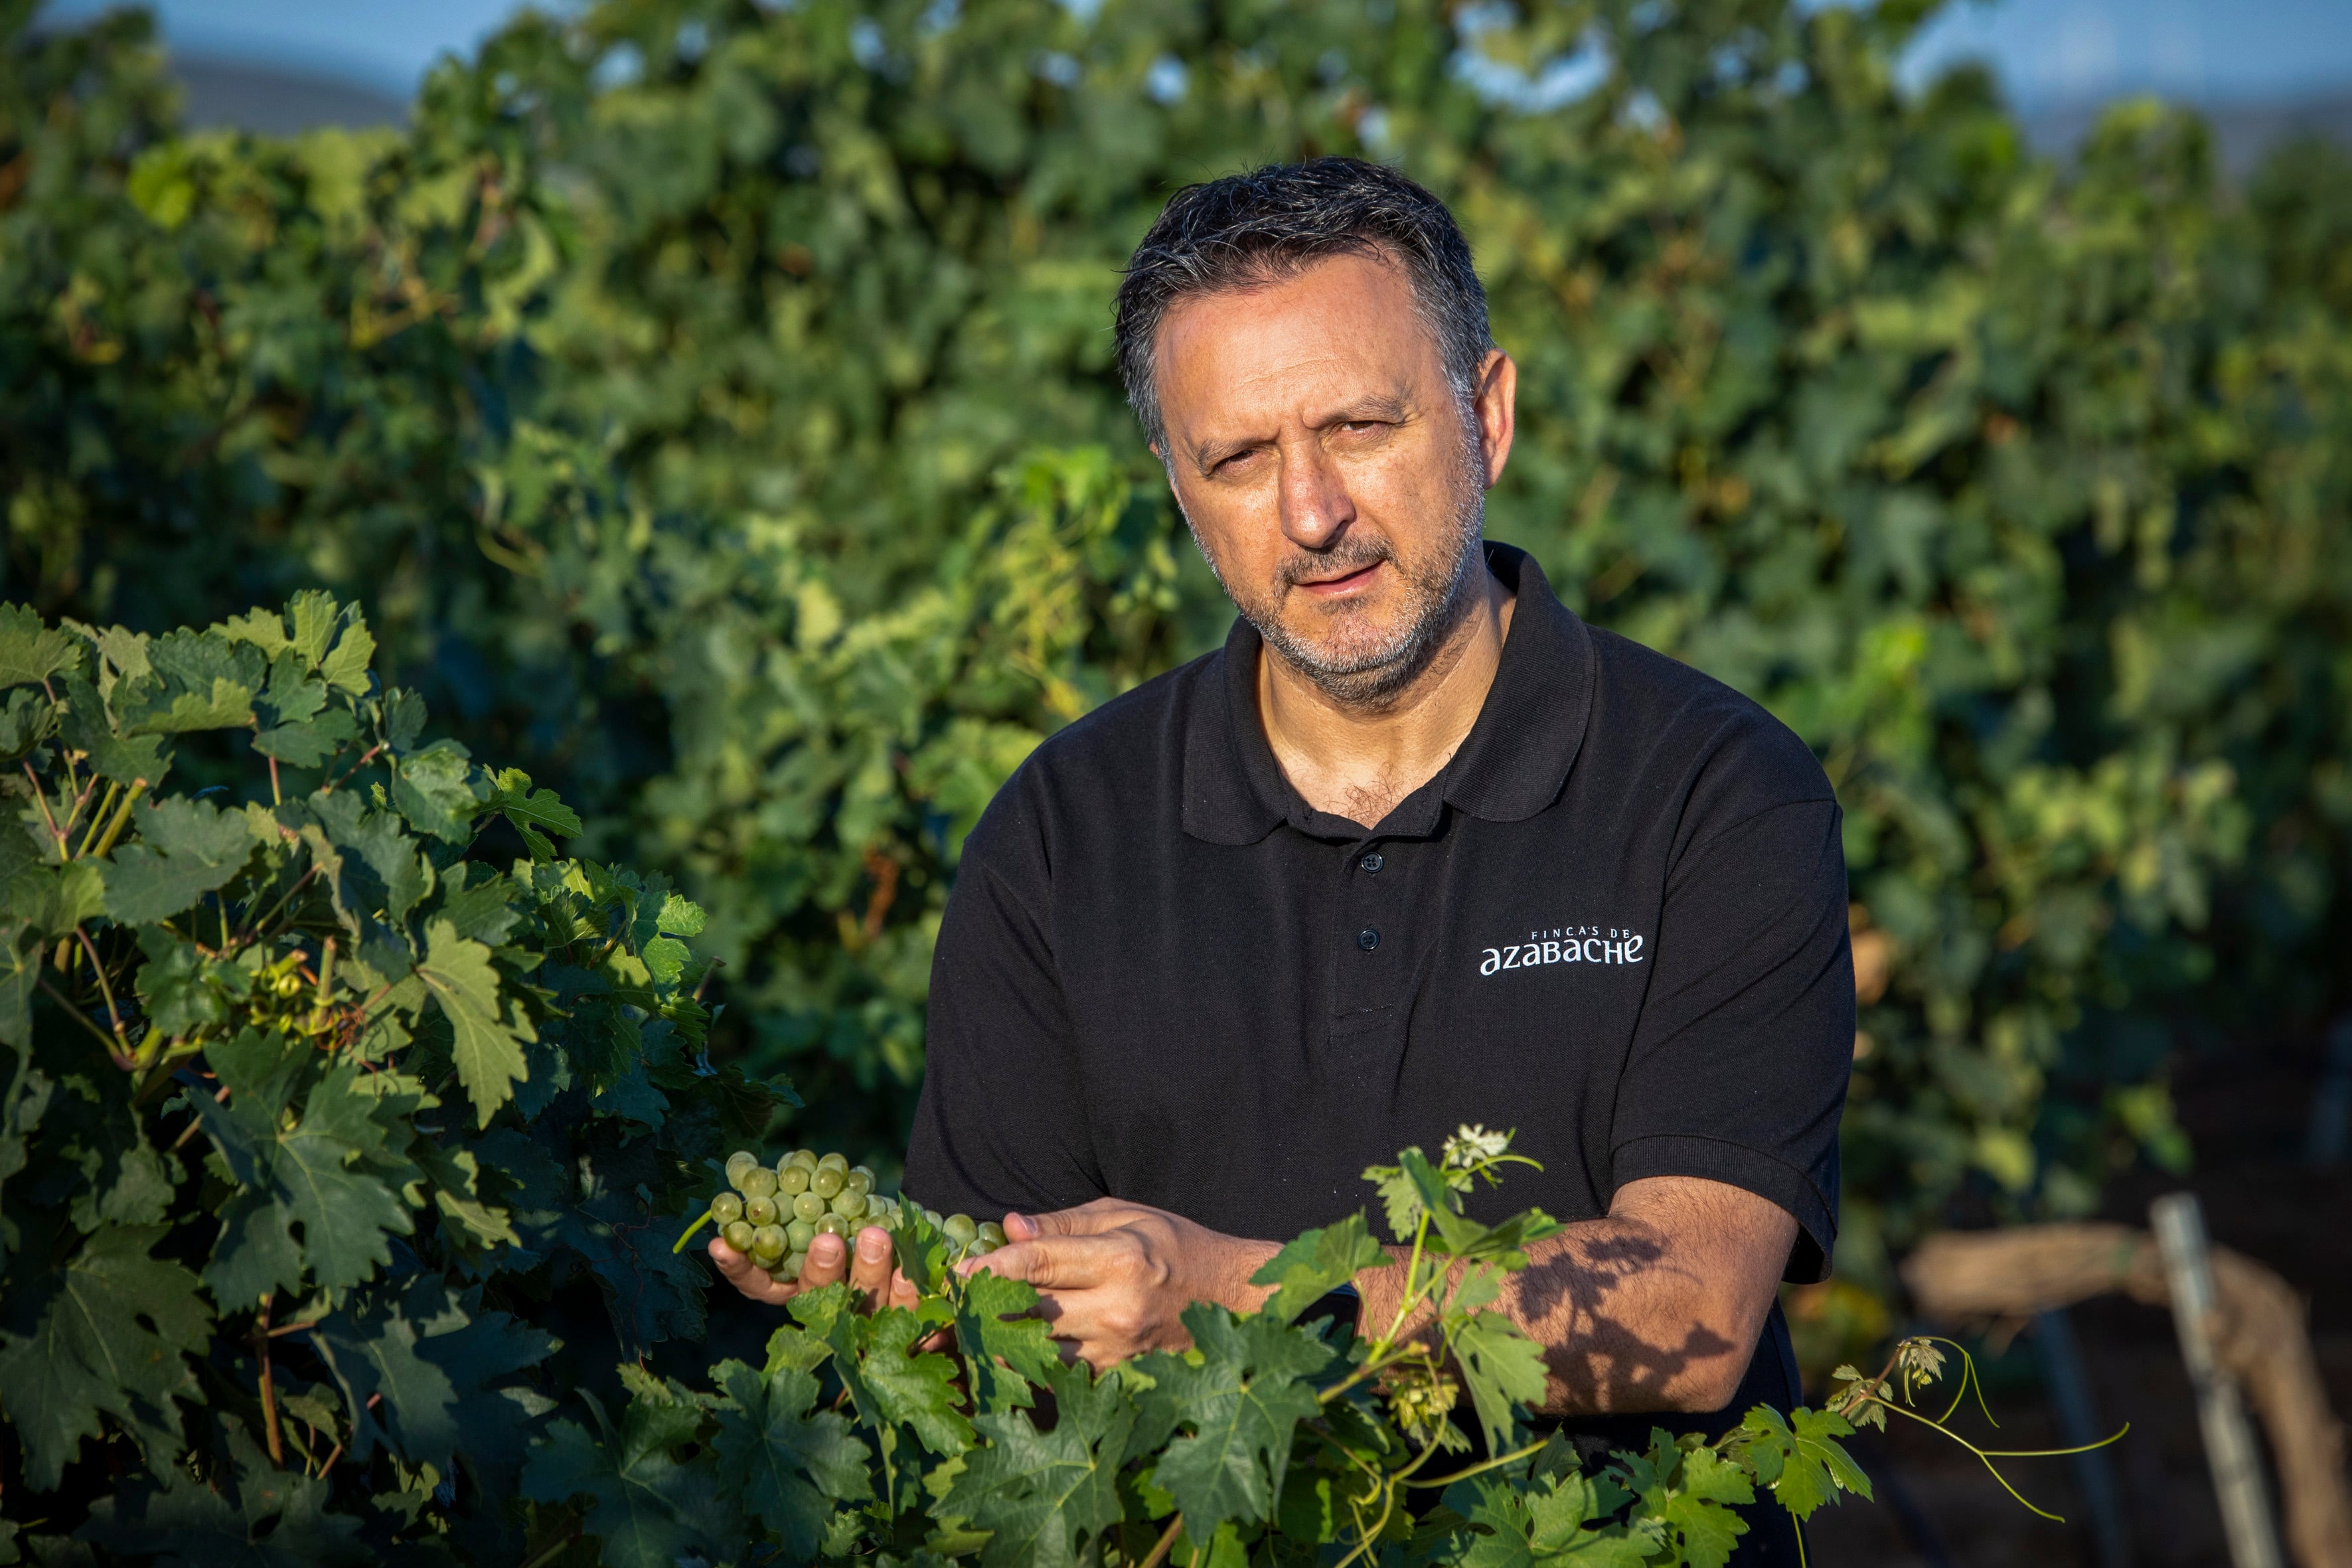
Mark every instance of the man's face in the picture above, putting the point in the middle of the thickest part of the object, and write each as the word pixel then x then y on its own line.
pixel 1332 476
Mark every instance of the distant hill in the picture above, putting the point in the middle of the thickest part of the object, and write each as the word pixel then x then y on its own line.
pixel 2244 131
pixel 278 101
pixel 282 101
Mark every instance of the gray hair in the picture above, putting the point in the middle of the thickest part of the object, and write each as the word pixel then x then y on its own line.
pixel 1273 223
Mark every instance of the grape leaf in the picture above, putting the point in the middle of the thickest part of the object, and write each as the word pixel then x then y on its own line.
pixel 1499 1366
pixel 1687 1495
pixel 1316 1263
pixel 390 876
pixel 1546 1525
pixel 104 1333
pixel 292 697
pixel 788 1467
pixel 1804 1466
pixel 535 814
pixel 123 759
pixel 267 1518
pixel 894 1385
pixel 1039 1495
pixel 180 988
pixel 434 1364
pixel 346 668
pixel 196 680
pixel 314 1173
pixel 27 718
pixel 185 849
pixel 486 1044
pixel 993 1323
pixel 312 611
pixel 31 652
pixel 311 742
pixel 1241 1404
pixel 647 1508
pixel 435 789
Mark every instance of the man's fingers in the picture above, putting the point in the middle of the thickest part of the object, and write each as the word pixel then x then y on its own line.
pixel 1048 1262
pixel 1087 1219
pixel 829 1261
pixel 747 1275
pixel 870 1274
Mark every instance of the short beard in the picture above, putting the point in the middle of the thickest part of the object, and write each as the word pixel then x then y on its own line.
pixel 1372 676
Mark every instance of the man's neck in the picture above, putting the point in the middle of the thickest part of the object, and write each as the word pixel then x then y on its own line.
pixel 1360 763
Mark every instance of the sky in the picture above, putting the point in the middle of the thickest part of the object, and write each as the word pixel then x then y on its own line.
pixel 2046 51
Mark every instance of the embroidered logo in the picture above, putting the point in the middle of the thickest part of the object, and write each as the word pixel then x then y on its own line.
pixel 1566 945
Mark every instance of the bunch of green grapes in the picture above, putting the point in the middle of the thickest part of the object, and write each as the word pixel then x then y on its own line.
pixel 772 1215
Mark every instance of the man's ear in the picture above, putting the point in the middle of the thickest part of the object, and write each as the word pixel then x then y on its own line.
pixel 1498 405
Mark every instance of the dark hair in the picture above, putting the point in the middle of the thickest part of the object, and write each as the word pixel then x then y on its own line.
pixel 1276 222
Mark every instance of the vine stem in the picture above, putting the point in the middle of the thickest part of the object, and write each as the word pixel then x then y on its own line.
pixel 41 797
pixel 100 1036
pixel 1166 1543
pixel 707 1215
pixel 1509 1459
pixel 98 819
pixel 269 1384
pixel 113 1015
pixel 121 819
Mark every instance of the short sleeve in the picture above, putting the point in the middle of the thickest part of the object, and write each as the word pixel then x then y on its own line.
pixel 1001 1124
pixel 1739 1067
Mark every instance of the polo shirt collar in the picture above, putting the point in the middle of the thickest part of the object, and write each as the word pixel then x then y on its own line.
pixel 1512 764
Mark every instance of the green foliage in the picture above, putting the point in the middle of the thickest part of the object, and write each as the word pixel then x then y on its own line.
pixel 673 391
pixel 316 1119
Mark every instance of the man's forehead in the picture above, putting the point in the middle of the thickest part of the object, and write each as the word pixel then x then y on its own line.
pixel 1340 329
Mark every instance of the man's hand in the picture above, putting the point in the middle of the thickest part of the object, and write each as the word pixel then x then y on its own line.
pixel 829 1259
pixel 1112 1278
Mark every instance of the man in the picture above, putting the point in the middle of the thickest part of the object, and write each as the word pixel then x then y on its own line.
pixel 1417 847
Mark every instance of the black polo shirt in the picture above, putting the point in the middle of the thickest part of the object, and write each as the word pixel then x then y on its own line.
pixel 1615 922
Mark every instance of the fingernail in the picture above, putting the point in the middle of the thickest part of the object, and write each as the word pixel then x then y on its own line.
pixel 872 1244
pixel 825 1248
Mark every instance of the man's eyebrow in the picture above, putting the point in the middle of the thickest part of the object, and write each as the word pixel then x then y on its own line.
pixel 1374 405
pixel 1207 455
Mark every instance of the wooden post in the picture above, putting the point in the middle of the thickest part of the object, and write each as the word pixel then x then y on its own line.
pixel 2179 1223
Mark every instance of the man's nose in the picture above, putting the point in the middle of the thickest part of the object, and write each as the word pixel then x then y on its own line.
pixel 1314 500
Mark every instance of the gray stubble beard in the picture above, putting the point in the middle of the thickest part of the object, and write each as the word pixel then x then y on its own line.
pixel 1373 679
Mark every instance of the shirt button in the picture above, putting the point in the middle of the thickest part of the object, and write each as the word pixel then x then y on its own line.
pixel 1372 862
pixel 1367 939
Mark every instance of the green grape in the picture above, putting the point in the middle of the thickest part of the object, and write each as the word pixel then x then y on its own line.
pixel 833 1225
pixel 993 1233
pixel 827 1182
pixel 850 1205
pixel 835 1162
pixel 981 1246
pixel 792 1179
pixel 960 1230
pixel 726 1207
pixel 738 1162
pixel 795 1263
pixel 759 1211
pixel 767 1244
pixel 808 1205
pixel 799 1233
pixel 804 1158
pixel 759 1182
pixel 785 1271
pixel 861 1180
pixel 738 1235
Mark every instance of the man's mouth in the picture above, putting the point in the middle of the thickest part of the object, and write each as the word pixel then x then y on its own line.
pixel 1342 584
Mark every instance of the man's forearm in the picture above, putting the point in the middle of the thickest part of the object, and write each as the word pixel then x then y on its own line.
pixel 1655 1307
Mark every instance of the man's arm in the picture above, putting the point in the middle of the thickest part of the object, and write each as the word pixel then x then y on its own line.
pixel 1656 1307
